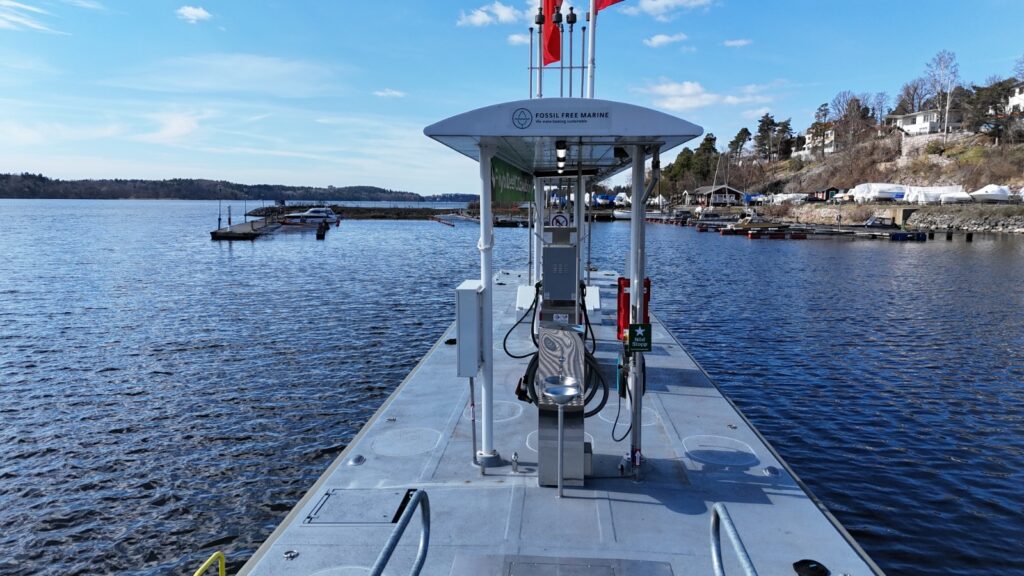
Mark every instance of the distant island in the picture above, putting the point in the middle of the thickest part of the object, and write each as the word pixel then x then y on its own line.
pixel 39 186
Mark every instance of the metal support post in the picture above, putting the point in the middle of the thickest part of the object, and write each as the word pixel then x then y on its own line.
pixel 589 220
pixel 529 242
pixel 636 304
pixel 487 455
pixel 561 447
pixel 538 230
pixel 578 215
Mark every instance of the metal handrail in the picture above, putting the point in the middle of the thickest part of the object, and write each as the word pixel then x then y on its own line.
pixel 418 500
pixel 217 557
pixel 719 515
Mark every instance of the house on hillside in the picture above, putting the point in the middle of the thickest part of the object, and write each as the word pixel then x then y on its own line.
pixel 924 122
pixel 826 144
pixel 720 195
pixel 1016 103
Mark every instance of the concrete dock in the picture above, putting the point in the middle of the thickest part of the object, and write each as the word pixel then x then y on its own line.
pixel 699 450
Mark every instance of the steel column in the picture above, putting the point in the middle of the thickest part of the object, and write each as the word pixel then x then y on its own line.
pixel 538 229
pixel 636 301
pixel 487 452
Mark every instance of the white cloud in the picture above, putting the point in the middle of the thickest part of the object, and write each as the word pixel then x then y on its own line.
pixel 756 113
pixel 497 13
pixel 20 16
pixel 173 126
pixel 504 14
pixel 682 96
pixel 87 4
pixel 234 73
pixel 749 94
pixel 659 40
pixel 478 17
pixel 389 93
pixel 663 10
pixel 193 14
pixel 738 43
pixel 518 39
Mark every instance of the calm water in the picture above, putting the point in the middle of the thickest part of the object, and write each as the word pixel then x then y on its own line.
pixel 162 395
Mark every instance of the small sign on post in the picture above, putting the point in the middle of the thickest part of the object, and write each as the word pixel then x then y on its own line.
pixel 639 337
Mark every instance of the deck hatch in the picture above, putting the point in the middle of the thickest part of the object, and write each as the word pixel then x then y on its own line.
pixel 338 506
pixel 556 566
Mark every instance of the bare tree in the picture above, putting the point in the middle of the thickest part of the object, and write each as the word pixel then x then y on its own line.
pixel 912 96
pixel 1018 69
pixel 943 74
pixel 850 116
pixel 879 106
pixel 840 102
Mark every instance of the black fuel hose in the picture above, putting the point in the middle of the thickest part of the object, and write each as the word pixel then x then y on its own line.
pixel 533 306
pixel 586 319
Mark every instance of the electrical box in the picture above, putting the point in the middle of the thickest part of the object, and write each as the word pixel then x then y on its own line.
pixel 468 327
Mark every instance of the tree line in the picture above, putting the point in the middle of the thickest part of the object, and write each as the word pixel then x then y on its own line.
pixel 38 186
pixel 851 118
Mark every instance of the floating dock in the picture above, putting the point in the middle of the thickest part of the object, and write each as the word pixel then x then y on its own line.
pixel 699 451
pixel 250 230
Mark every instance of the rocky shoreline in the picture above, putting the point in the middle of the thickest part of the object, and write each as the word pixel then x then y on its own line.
pixel 961 217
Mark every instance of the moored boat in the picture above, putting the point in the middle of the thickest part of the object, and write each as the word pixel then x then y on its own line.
pixel 311 217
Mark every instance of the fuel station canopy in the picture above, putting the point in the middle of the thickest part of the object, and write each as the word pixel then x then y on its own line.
pixel 597 133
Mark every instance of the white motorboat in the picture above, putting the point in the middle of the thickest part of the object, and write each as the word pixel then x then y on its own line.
pixel 313 216
pixel 622 214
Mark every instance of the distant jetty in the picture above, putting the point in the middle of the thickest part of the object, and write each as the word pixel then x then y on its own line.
pixel 357 213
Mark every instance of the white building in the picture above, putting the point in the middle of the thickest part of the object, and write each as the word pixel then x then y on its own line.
pixel 1016 102
pixel 924 122
pixel 826 144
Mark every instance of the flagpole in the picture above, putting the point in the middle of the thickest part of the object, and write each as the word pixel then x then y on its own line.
pixel 592 48
pixel 539 20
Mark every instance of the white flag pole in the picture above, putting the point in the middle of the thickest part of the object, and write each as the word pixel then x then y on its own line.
pixel 592 48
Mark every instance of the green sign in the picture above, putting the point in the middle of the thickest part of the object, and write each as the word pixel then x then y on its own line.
pixel 510 184
pixel 639 337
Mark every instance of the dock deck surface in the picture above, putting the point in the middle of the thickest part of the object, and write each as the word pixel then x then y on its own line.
pixel 699 450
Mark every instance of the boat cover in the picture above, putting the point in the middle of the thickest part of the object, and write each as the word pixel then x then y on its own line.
pixel 875 191
pixel 930 194
pixel 956 197
pixel 788 198
pixel 992 193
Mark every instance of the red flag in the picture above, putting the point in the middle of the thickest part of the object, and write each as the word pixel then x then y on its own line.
pixel 602 4
pixel 552 35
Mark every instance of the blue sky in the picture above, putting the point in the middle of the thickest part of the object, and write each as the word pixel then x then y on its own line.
pixel 338 92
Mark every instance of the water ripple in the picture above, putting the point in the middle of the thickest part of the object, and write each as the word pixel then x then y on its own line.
pixel 165 396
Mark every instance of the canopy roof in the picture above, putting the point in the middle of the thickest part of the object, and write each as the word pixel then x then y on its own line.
pixel 525 133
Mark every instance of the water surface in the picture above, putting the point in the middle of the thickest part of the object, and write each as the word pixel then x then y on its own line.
pixel 163 396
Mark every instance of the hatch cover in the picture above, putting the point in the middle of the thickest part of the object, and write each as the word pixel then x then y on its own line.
pixel 556 566
pixel 338 506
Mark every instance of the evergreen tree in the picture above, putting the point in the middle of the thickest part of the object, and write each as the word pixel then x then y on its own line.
pixel 741 139
pixel 763 141
pixel 784 139
pixel 705 159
